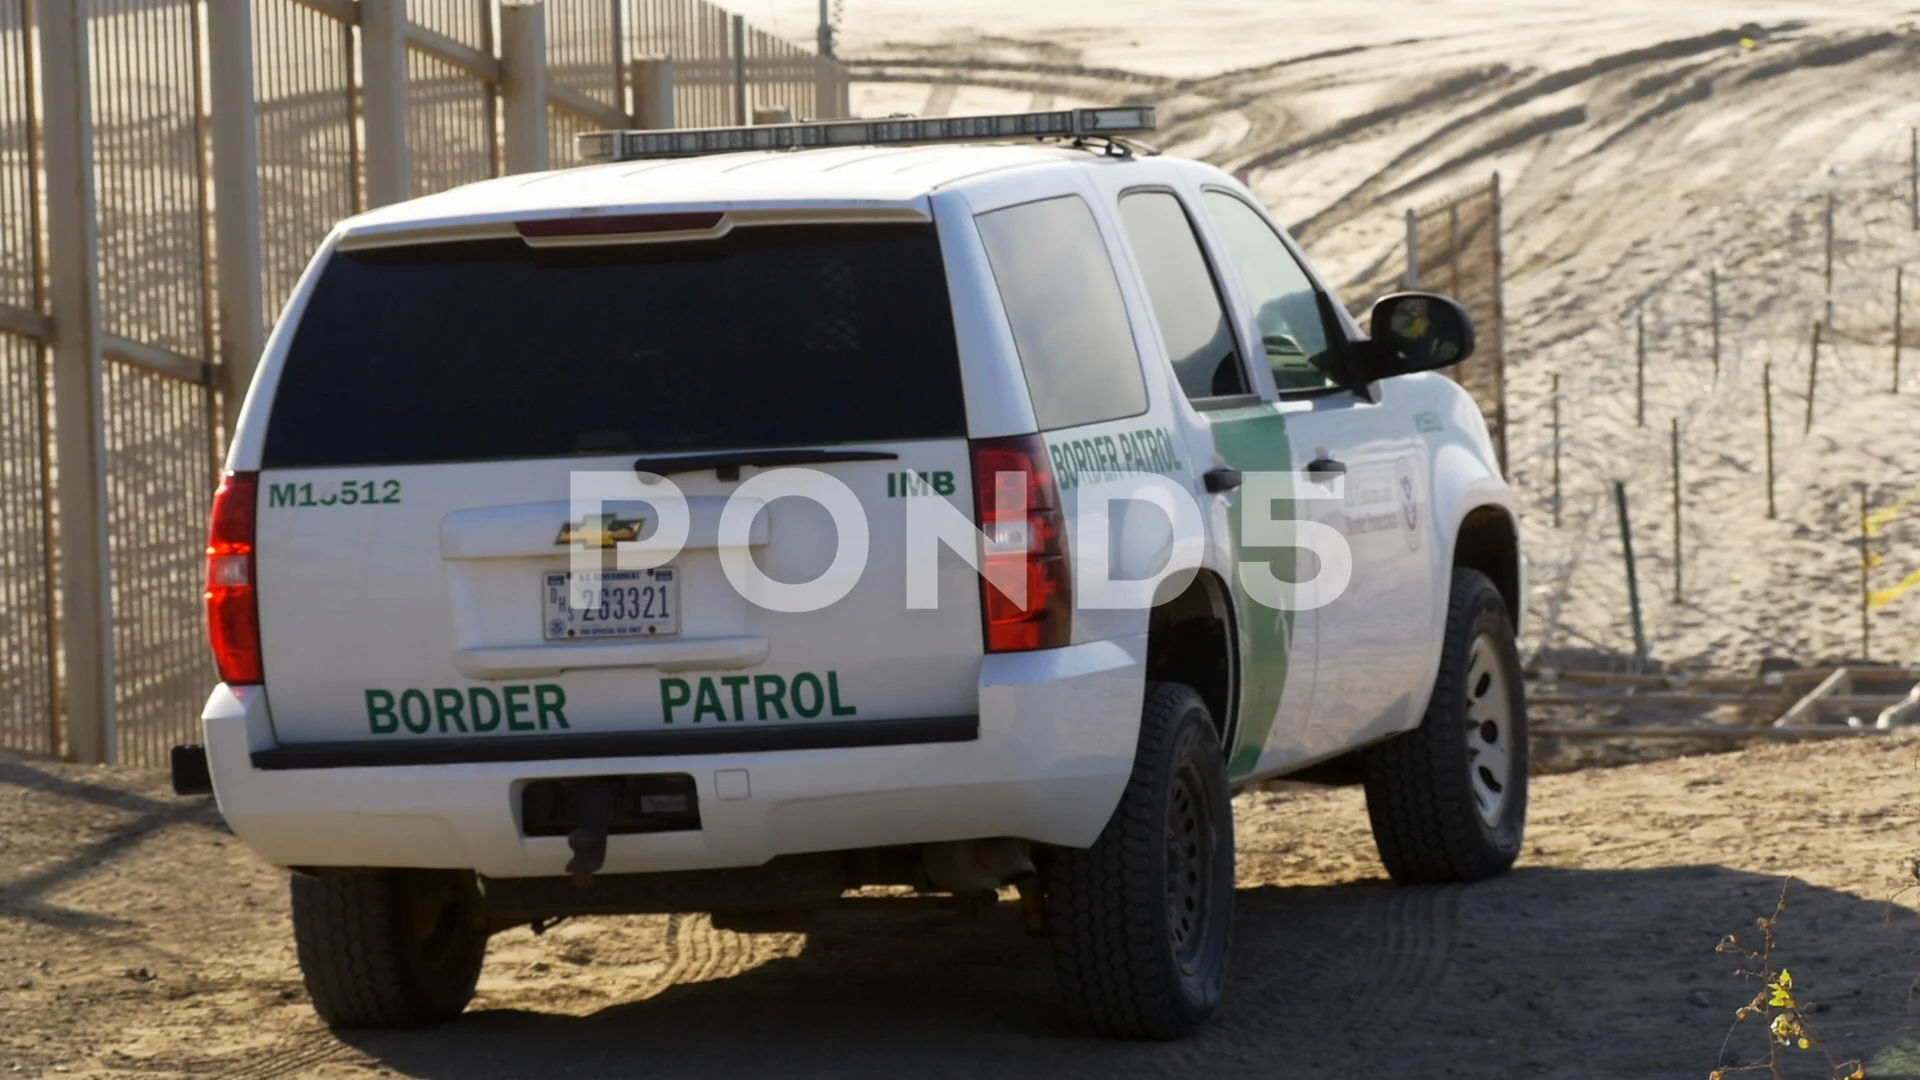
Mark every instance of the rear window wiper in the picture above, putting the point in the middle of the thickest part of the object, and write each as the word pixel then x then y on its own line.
pixel 726 464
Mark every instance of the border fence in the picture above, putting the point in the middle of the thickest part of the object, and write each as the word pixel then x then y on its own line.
pixel 1454 247
pixel 167 168
pixel 1752 391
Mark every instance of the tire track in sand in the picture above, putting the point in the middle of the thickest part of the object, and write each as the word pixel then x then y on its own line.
pixel 292 1056
pixel 698 952
pixel 1409 935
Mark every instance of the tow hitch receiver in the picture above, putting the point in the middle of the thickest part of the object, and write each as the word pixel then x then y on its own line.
pixel 588 810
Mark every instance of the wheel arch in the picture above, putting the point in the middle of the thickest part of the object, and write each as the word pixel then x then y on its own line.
pixel 1488 540
pixel 1477 528
pixel 1192 639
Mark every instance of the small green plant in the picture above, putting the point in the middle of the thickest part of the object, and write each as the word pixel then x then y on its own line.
pixel 1774 1006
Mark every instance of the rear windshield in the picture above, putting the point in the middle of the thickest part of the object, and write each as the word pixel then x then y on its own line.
pixel 487 349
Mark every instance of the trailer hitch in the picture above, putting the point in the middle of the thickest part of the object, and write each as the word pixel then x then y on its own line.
pixel 594 806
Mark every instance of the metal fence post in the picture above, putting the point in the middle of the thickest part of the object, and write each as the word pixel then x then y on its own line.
pixel 1899 332
pixel 1412 280
pixel 523 84
pixel 86 624
pixel 1866 589
pixel 1677 594
pixel 1713 302
pixel 1831 200
pixel 1453 250
pixel 826 90
pixel 740 114
pixel 43 387
pixel 1633 577
pixel 1766 398
pixel 234 120
pixel 653 93
pixel 1813 376
pixel 1557 501
pixel 1500 318
pixel 383 82
pixel 1640 368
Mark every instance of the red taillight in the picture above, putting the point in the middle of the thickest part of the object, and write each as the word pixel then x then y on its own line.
pixel 233 616
pixel 1026 588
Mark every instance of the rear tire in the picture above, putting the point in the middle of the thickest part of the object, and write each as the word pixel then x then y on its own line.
pixel 1142 919
pixel 389 948
pixel 1448 800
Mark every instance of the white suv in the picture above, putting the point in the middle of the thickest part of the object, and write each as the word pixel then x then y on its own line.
pixel 967 517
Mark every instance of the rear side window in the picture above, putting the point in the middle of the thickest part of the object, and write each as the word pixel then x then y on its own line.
pixel 1069 321
pixel 489 349
pixel 1186 302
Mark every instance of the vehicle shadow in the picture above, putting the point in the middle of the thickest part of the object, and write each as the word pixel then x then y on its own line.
pixel 1543 972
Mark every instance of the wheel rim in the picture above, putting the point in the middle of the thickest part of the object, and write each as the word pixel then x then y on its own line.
pixel 1190 855
pixel 1489 729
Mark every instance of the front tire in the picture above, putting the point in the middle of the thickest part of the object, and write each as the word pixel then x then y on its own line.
pixel 1448 800
pixel 389 948
pixel 1141 920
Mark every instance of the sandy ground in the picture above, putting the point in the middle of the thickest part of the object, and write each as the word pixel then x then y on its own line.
pixel 138 938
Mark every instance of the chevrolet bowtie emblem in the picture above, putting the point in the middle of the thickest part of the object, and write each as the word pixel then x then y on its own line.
pixel 601 531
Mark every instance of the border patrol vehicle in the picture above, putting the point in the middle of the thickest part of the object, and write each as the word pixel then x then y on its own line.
pixel 448 709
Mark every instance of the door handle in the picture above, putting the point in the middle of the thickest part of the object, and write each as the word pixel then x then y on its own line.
pixel 1326 467
pixel 1219 480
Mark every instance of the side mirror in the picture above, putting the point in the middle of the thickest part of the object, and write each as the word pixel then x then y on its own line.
pixel 1415 332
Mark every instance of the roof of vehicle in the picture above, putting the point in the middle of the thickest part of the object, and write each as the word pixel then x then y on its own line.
pixel 868 176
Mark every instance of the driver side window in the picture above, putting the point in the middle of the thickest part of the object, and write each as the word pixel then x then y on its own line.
pixel 1300 347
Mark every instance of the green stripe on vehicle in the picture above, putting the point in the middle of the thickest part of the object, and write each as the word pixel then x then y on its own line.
pixel 1254 439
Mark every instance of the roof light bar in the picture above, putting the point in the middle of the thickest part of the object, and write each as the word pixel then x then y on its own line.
pixel 1067 123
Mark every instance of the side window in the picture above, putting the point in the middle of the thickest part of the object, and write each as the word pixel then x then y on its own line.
pixel 1063 302
pixel 1186 302
pixel 1298 344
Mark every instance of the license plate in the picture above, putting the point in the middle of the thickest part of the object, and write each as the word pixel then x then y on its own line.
pixel 595 604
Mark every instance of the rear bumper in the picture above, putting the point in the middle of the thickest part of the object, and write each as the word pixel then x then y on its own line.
pixel 1056 738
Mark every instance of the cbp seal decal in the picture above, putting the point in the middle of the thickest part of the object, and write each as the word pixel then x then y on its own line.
pixel 1409 484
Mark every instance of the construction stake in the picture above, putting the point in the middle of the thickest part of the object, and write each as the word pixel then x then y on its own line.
pixel 1556 451
pixel 1640 368
pixel 1713 300
pixel 1899 301
pixel 1633 580
pixel 1831 199
pixel 1676 510
pixel 1766 404
pixel 1866 595
pixel 1813 375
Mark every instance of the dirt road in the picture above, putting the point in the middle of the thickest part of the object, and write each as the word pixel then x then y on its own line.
pixel 138 938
